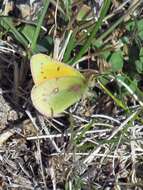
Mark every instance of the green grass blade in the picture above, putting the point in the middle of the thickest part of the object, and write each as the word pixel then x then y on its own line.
pixel 7 24
pixel 119 21
pixel 117 101
pixel 39 24
pixel 88 42
pixel 69 48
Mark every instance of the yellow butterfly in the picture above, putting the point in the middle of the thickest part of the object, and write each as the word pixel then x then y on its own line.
pixel 57 85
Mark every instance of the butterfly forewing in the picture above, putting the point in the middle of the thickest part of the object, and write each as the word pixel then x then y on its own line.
pixel 44 68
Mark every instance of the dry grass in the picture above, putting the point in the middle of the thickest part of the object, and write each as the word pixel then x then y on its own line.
pixel 97 143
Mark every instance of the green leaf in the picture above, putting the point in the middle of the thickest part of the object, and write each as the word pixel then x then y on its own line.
pixel 45 44
pixel 141 53
pixel 116 61
pixel 136 25
pixel 139 66
pixel 106 54
pixel 28 31
pixel 139 62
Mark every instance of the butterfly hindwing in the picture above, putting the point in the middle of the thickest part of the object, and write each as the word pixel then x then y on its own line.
pixel 53 96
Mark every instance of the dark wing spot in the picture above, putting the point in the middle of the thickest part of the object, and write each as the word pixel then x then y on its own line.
pixel 44 77
pixel 58 68
pixel 75 88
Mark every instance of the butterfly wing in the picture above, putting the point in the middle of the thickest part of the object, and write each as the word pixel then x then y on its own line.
pixel 55 95
pixel 44 68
